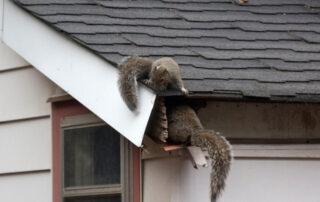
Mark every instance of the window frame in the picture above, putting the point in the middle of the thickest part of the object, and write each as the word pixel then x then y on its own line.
pixel 69 112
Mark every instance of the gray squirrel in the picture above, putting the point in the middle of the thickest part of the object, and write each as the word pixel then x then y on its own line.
pixel 184 127
pixel 161 73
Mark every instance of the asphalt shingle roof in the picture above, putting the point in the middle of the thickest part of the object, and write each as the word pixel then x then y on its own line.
pixel 268 49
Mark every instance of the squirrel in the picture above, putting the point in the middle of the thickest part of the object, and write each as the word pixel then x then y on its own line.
pixel 161 73
pixel 184 127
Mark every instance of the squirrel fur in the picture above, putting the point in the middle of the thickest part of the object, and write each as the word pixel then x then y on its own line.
pixel 161 73
pixel 184 127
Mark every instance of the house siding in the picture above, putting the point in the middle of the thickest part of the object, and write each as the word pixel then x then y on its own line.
pixel 25 130
pixel 35 187
pixel 250 180
pixel 8 58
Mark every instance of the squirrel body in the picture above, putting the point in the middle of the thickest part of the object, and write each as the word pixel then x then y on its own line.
pixel 161 73
pixel 184 127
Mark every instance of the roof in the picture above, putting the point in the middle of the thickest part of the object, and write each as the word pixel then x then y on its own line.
pixel 262 49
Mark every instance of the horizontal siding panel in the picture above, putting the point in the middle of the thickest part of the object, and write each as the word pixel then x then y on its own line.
pixel 33 187
pixel 25 146
pixel 294 151
pixel 24 93
pixel 256 180
pixel 8 58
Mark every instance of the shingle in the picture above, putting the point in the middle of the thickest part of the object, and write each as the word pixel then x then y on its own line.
pixel 41 2
pixel 221 43
pixel 285 55
pixel 231 34
pixel 181 24
pixel 256 2
pixel 200 62
pixel 141 51
pixel 100 10
pixel 260 75
pixel 102 39
pixel 263 49
pixel 308 36
pixel 253 88
pixel 291 66
pixel 114 58
pixel 262 27
pixel 232 16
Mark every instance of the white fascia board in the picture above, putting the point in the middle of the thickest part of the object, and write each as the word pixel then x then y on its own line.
pixel 85 76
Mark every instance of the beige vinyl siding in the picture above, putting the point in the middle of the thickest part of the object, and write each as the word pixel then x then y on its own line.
pixel 8 58
pixel 23 94
pixel 25 146
pixel 25 130
pixel 250 180
pixel 31 187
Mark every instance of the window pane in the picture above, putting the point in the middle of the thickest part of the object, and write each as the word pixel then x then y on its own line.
pixel 91 156
pixel 95 199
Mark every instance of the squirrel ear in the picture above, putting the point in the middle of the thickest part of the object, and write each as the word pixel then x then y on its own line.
pixel 157 67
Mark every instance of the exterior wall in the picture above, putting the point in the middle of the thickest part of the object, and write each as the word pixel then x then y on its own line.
pixel 279 173
pixel 250 180
pixel 25 130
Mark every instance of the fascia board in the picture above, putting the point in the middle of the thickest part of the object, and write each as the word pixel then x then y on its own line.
pixel 86 77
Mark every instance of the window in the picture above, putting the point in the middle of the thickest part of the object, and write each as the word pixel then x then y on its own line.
pixel 91 161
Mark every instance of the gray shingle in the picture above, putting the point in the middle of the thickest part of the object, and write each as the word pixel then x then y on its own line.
pixel 142 51
pixel 200 62
pixel 263 49
pixel 231 16
pixel 102 39
pixel 285 55
pixel 179 24
pixel 76 9
pixel 231 34
pixel 260 75
pixel 291 66
pixel 221 43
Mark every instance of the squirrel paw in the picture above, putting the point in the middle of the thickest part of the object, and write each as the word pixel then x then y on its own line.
pixel 148 82
pixel 184 91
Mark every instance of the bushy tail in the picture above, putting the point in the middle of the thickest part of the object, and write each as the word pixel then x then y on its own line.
pixel 131 69
pixel 219 151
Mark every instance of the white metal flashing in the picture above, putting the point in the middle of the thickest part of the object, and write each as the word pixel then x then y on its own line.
pixel 83 75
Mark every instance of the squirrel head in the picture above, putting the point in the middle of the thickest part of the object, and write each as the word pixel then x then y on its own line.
pixel 161 77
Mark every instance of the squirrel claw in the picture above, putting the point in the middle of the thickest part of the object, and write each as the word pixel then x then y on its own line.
pixel 184 91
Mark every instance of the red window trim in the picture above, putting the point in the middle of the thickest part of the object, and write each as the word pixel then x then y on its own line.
pixel 72 108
